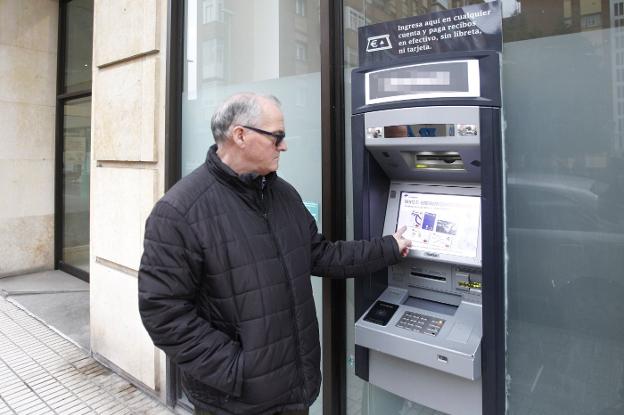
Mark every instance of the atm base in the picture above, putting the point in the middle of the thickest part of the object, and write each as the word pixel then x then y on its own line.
pixel 435 389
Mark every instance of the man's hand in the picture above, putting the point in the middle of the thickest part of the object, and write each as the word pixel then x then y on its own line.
pixel 404 244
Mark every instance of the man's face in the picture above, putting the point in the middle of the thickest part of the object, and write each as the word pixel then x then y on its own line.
pixel 261 154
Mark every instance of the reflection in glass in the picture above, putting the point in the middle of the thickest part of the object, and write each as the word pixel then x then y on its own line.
pixel 564 112
pixel 78 40
pixel 269 47
pixel 535 19
pixel 76 170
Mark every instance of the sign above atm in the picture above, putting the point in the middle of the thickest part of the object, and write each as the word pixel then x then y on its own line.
pixel 470 28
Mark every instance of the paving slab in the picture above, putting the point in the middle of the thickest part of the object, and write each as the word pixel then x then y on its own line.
pixel 41 372
pixel 57 298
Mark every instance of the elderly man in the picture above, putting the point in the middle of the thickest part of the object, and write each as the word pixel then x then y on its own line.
pixel 224 283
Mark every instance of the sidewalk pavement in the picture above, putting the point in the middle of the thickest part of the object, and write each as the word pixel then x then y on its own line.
pixel 43 373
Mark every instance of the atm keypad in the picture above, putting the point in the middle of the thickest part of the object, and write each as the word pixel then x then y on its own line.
pixel 420 323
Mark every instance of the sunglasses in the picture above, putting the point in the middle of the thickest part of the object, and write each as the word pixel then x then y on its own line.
pixel 278 136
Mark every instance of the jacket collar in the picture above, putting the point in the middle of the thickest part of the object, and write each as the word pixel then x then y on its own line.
pixel 225 174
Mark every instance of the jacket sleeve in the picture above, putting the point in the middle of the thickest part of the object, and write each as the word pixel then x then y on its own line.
pixel 168 288
pixel 344 259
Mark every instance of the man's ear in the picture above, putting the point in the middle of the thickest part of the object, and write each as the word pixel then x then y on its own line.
pixel 238 136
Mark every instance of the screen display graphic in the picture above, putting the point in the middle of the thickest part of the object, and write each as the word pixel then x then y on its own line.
pixel 442 224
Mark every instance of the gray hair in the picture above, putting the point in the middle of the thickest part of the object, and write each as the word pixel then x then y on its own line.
pixel 240 109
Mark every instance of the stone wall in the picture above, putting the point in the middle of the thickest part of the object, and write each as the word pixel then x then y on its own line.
pixel 128 129
pixel 28 36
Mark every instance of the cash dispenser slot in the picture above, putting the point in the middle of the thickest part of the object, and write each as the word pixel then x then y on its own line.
pixel 430 294
pixel 428 276
pixel 438 160
pixel 431 306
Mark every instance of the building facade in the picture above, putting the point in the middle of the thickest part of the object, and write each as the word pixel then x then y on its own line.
pixel 106 103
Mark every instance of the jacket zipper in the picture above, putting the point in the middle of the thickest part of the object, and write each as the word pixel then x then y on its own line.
pixel 292 296
pixel 262 205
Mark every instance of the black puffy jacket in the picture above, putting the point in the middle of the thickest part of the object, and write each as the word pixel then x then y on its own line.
pixel 225 291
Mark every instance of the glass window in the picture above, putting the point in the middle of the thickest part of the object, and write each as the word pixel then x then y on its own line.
pixel 78 40
pixel 353 18
pixel 565 227
pixel 253 49
pixel 213 63
pixel 591 21
pixel 301 51
pixel 300 7
pixel 567 9
pixel 76 172
pixel 212 11
pixel 351 57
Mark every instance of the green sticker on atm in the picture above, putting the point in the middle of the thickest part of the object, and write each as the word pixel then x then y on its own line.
pixel 313 208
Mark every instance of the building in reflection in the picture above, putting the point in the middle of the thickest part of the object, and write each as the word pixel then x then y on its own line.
pixel 616 21
pixel 285 40
pixel 536 18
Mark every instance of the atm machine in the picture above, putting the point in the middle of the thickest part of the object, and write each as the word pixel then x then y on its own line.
pixel 424 132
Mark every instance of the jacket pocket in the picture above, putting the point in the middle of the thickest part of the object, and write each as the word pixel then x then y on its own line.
pixel 199 391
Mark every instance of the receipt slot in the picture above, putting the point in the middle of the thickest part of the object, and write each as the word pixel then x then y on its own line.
pixel 423 133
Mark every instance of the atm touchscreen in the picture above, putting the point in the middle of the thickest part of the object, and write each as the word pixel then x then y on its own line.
pixel 441 225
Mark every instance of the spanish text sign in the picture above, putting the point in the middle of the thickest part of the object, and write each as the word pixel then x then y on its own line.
pixel 470 28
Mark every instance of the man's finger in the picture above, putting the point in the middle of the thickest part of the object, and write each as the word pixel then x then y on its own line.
pixel 401 230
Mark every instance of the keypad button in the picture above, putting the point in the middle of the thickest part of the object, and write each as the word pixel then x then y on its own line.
pixel 420 323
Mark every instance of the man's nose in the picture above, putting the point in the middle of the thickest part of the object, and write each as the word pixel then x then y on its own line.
pixel 283 145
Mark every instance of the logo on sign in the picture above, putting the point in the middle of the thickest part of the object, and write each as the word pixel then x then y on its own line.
pixel 375 43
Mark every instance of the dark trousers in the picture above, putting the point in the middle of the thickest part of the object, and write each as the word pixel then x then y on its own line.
pixel 302 412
